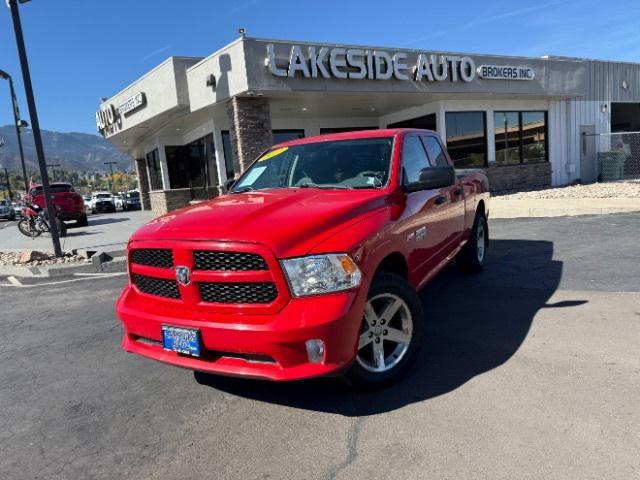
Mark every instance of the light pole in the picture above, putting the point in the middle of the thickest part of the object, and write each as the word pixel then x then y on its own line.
pixel 53 170
pixel 18 123
pixel 6 174
pixel 111 164
pixel 33 113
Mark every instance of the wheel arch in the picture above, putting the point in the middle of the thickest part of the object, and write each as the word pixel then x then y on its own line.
pixel 395 263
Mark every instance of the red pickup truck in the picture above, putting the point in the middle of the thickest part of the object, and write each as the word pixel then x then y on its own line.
pixel 310 264
pixel 68 203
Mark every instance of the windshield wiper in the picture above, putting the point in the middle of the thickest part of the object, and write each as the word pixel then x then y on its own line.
pixel 247 188
pixel 324 187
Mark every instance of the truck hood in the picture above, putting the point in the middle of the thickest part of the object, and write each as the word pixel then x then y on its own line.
pixel 290 221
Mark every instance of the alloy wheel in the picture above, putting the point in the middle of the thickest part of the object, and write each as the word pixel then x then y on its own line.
pixel 386 333
pixel 480 243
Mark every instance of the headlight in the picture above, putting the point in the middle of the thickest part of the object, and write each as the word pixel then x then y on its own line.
pixel 319 274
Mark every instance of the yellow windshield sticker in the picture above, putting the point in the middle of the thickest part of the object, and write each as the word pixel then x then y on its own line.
pixel 273 153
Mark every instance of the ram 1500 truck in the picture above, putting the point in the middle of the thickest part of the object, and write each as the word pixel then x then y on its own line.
pixel 310 264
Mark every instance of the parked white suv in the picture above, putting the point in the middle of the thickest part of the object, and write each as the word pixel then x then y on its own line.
pixel 102 202
pixel 6 210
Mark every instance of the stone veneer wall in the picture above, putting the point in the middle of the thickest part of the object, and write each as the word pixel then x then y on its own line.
pixel 163 201
pixel 251 134
pixel 519 178
pixel 143 183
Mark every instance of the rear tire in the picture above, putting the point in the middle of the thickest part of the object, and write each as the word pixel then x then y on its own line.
pixel 83 221
pixel 471 257
pixel 391 334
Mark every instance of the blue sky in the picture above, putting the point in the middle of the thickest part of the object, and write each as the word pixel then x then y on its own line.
pixel 81 50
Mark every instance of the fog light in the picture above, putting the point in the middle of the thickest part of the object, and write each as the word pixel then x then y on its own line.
pixel 315 351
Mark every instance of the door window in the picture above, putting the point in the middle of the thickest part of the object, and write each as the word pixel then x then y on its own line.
pixel 414 159
pixel 436 154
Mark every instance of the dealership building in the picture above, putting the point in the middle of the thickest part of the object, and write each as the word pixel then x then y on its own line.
pixel 192 123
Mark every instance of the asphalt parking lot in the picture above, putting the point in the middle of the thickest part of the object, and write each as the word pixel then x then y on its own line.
pixel 105 231
pixel 529 370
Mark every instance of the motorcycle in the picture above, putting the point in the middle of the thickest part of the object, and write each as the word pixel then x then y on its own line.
pixel 34 222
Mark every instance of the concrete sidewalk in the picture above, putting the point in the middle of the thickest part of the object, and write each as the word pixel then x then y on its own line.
pixel 106 232
pixel 560 207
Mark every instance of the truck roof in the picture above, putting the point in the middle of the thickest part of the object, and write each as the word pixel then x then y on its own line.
pixel 354 135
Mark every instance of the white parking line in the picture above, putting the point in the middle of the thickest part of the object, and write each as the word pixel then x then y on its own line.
pixel 15 283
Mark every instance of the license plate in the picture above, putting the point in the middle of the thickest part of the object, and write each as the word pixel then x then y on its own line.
pixel 181 340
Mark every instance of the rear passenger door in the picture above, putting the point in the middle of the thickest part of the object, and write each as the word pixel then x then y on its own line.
pixel 452 208
pixel 423 228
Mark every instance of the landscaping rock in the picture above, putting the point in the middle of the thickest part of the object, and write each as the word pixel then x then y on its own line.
pixel 32 256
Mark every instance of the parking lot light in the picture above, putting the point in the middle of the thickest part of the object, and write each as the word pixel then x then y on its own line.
pixel 18 124
pixel 33 114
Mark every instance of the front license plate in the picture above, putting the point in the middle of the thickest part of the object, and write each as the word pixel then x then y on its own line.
pixel 182 340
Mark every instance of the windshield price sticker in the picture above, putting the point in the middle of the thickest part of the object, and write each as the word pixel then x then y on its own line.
pixel 273 153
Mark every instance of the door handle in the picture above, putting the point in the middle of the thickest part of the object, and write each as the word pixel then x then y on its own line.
pixel 458 191
pixel 440 199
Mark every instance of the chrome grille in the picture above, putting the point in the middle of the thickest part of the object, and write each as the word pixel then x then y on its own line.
pixel 225 292
pixel 216 260
pixel 153 257
pixel 156 286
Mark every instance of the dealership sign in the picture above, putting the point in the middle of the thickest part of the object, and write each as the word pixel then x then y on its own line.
pixel 505 72
pixel 109 118
pixel 133 103
pixel 358 64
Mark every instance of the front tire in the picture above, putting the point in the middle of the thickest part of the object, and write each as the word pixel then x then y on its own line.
pixel 391 333
pixel 26 228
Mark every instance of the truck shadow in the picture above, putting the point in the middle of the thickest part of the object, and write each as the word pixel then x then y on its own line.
pixel 474 324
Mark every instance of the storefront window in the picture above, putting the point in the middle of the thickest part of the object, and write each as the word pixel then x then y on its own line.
pixel 228 153
pixel 326 131
pixel 155 174
pixel 507 127
pixel 520 137
pixel 188 164
pixel 280 136
pixel 427 122
pixel 466 138
pixel 534 137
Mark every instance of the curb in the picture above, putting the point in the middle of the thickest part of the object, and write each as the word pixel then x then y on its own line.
pixel 521 208
pixel 534 212
pixel 102 263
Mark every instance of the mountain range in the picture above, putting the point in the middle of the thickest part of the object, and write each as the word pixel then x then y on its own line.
pixel 81 152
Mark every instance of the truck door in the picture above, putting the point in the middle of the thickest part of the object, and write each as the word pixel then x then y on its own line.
pixel 453 209
pixel 425 228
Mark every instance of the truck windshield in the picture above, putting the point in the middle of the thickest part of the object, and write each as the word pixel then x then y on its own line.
pixel 360 163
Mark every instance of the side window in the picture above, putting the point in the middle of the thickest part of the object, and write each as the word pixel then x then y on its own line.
pixel 414 159
pixel 436 154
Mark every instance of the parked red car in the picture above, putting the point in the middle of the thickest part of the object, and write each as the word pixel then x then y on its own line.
pixel 70 204
pixel 311 264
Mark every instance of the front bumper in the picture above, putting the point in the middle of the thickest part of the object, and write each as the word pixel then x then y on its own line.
pixel 268 346
pixel 105 207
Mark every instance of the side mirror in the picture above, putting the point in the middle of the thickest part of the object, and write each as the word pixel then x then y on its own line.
pixel 228 185
pixel 432 178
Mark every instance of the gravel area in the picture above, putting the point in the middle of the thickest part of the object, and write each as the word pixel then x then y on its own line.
pixel 43 259
pixel 627 189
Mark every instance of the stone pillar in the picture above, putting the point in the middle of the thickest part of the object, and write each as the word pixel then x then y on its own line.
pixel 143 183
pixel 251 134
